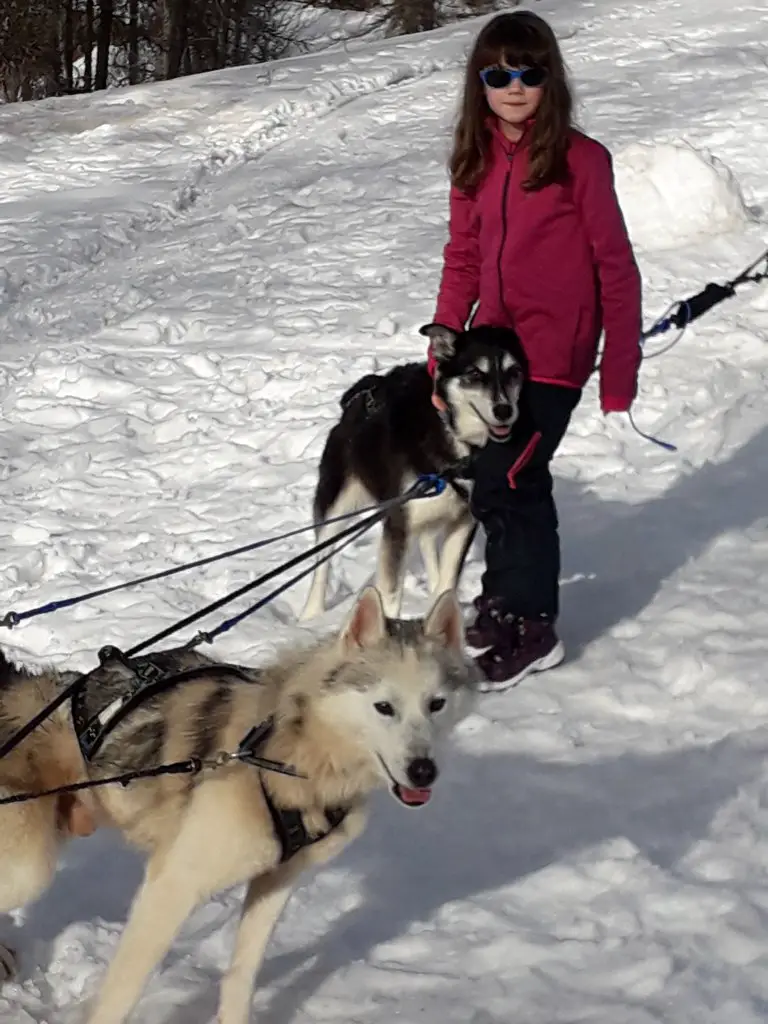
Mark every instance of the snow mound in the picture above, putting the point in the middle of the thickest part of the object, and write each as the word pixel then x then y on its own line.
pixel 673 194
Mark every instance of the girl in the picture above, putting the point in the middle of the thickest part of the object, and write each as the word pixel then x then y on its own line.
pixel 538 241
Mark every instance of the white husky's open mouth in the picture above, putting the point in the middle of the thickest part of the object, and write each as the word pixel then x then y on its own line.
pixel 406 795
pixel 411 797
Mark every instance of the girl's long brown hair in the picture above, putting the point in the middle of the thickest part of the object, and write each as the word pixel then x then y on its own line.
pixel 517 39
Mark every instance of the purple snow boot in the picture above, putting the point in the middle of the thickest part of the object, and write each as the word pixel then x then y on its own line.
pixel 525 646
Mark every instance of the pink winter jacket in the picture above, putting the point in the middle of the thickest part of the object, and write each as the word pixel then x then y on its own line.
pixel 555 264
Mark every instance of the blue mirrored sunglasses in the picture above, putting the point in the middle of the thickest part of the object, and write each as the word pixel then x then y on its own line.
pixel 497 77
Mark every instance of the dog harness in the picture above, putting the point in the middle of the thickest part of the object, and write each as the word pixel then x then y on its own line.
pixel 290 830
pixel 144 679
pixel 288 822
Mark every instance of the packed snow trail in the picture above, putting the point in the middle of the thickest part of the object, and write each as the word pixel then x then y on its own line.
pixel 190 275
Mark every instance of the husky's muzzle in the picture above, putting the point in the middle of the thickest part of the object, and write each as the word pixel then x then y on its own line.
pixel 505 415
pixel 422 773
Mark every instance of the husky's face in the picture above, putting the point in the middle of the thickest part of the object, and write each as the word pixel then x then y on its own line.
pixel 480 377
pixel 405 687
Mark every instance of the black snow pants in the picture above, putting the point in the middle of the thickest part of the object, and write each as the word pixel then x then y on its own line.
pixel 513 500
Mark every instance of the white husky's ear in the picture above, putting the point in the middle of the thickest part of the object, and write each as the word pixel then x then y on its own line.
pixel 442 339
pixel 367 624
pixel 445 623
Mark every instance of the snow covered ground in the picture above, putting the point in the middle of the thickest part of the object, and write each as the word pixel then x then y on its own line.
pixel 190 273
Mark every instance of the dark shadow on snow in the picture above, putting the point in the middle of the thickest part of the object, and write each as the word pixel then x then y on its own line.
pixel 631 550
pixel 496 820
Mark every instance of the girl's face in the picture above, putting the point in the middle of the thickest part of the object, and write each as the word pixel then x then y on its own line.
pixel 513 97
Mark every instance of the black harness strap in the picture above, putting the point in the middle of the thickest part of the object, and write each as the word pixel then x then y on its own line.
pixel 144 680
pixel 247 753
pixel 369 388
pixel 290 830
pixel 457 473
pixel 287 822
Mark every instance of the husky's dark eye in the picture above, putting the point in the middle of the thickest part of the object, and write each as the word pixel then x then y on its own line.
pixel 513 374
pixel 385 708
pixel 473 376
pixel 436 704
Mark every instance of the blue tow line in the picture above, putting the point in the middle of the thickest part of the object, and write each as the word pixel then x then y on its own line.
pixel 427 485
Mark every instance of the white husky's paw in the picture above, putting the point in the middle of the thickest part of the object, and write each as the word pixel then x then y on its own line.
pixel 8 965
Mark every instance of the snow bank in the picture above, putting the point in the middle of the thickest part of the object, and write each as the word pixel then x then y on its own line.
pixel 673 194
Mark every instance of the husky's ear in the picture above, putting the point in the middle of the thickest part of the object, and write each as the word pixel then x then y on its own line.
pixel 442 340
pixel 445 623
pixel 367 623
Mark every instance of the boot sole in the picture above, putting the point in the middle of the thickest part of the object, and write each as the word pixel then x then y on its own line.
pixel 551 660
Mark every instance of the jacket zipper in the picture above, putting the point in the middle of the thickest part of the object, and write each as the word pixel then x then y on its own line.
pixel 504 196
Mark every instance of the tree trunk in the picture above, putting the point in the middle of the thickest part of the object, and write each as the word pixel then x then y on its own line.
pixel 68 39
pixel 106 15
pixel 175 25
pixel 88 47
pixel 133 42
pixel 52 65
pixel 237 36
pixel 223 55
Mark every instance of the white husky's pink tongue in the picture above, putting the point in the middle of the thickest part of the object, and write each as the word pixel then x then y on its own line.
pixel 413 797
pixel 500 431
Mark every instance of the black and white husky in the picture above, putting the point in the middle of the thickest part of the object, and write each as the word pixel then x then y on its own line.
pixel 401 424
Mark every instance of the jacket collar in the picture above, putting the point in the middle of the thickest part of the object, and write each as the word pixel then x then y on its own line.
pixel 500 138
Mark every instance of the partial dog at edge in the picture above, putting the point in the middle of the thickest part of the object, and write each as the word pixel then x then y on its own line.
pixel 399 425
pixel 363 709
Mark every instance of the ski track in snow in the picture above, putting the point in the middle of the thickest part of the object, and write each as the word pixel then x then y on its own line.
pixel 190 274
